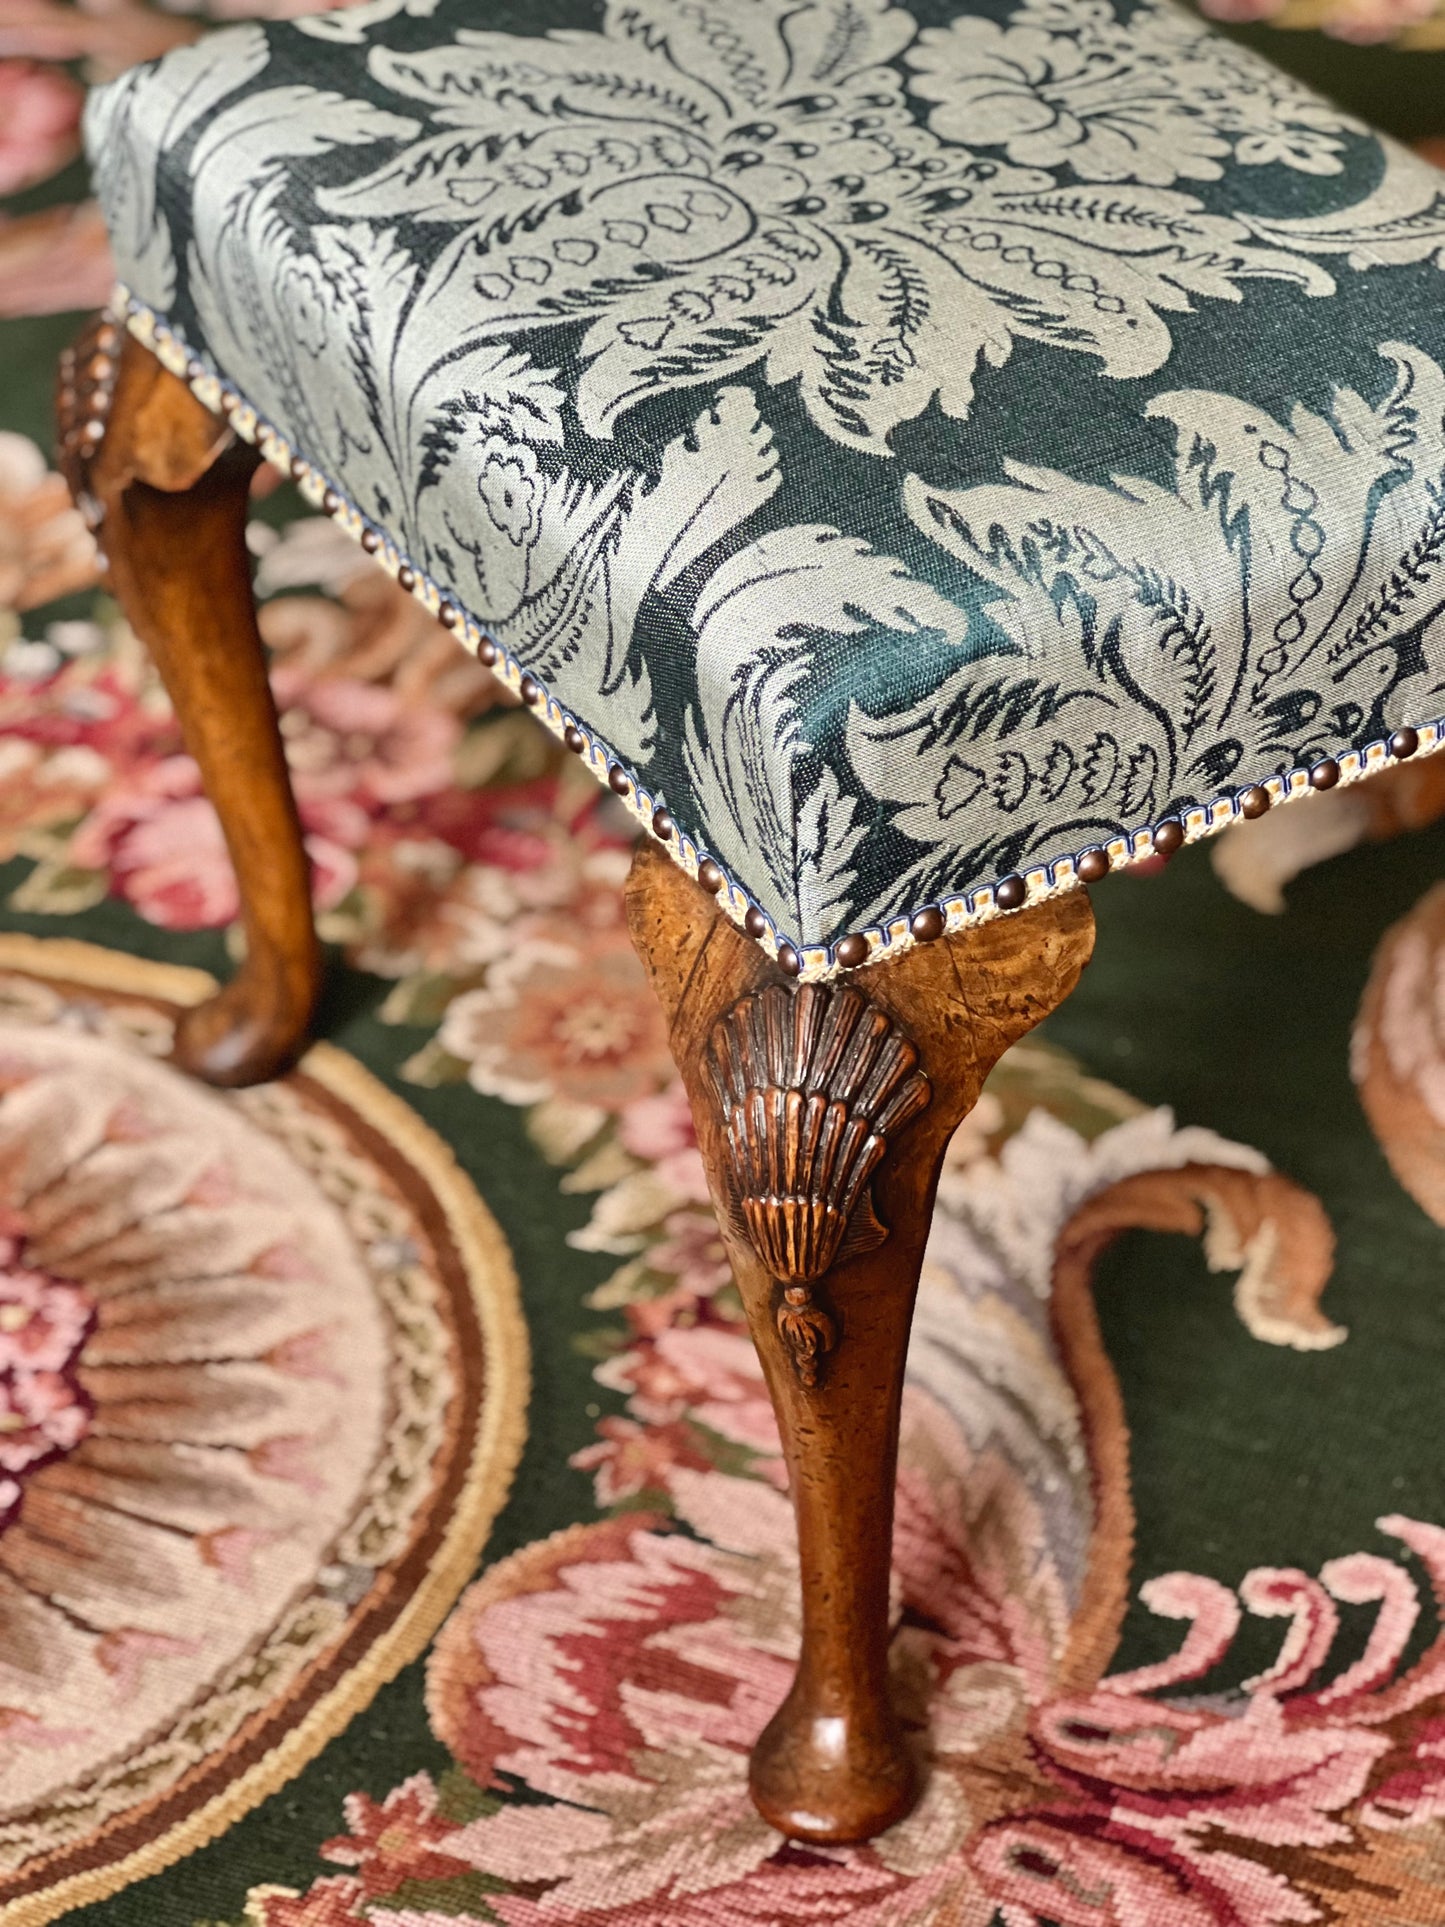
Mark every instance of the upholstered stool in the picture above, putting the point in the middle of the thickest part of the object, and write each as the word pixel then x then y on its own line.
pixel 919 465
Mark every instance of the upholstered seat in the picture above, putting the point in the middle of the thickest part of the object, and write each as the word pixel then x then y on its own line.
pixel 910 452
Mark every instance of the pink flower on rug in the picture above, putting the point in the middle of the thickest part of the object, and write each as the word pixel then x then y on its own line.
pixel 523 828
pixel 160 841
pixel 693 1252
pixel 629 1458
pixel 39 122
pixel 1241 11
pixel 362 741
pixel 334 1902
pixel 45 548
pixel 1366 23
pixel 43 1321
pixel 54 260
pixel 582 1026
pixel 658 1129
pixel 399 1839
pixel 702 1371
pixel 41 1414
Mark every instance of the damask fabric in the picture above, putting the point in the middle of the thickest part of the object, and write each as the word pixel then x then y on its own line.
pixel 915 449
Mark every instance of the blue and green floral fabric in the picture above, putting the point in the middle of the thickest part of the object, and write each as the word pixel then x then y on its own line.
pixel 918 446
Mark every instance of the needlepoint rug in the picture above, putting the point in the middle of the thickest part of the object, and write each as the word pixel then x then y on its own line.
pixel 280 1646
pixel 262 1385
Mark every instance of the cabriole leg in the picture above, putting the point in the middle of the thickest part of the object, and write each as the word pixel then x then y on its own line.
pixel 164 484
pixel 823 1112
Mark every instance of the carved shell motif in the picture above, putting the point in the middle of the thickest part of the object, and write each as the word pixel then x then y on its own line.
pixel 811 1084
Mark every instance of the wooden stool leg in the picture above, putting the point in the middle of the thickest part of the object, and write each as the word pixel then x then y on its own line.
pixel 823 1112
pixel 164 483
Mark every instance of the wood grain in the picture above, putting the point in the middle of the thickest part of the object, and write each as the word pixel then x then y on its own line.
pixel 164 484
pixel 833 1764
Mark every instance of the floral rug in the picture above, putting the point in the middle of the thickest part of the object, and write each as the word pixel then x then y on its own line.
pixel 1170 1556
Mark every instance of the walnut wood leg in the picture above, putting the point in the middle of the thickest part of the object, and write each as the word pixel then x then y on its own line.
pixel 164 484
pixel 823 1112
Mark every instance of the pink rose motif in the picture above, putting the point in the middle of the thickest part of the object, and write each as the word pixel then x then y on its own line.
pixel 362 741
pixel 42 1321
pixel 693 1251
pixel 1365 23
pixel 536 829
pixel 658 1129
pixel 39 122
pixel 43 1324
pixel 159 839
pixel 41 1414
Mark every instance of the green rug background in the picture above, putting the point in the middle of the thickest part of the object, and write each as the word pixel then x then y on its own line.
pixel 1243 1454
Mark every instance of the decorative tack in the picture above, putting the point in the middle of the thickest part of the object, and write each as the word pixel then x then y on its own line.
pixel 1325 775
pixel 83 400
pixel 810 1086
pixel 87 376
pixel 789 962
pixel 851 951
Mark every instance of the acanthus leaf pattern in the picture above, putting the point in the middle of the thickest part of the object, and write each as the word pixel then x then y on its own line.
pixel 618 327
